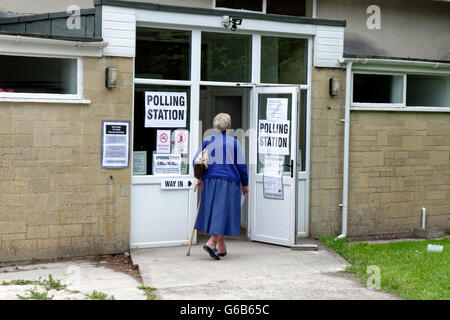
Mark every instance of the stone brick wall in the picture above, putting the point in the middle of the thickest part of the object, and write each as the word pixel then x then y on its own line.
pixel 327 145
pixel 399 163
pixel 55 201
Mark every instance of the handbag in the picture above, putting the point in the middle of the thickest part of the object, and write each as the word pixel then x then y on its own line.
pixel 201 163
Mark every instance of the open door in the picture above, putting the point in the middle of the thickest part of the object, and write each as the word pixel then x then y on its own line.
pixel 273 144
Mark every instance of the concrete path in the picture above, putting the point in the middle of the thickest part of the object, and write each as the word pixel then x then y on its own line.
pixel 251 270
pixel 82 278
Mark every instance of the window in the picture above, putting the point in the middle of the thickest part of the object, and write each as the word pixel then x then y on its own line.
pixel 145 138
pixel 226 57
pixel 253 5
pixel 428 91
pixel 287 7
pixel 163 54
pixel 36 75
pixel 284 60
pixel 299 8
pixel 378 88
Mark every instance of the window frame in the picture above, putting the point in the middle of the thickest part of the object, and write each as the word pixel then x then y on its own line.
pixel 195 83
pixel 48 97
pixel 374 104
pixel 358 106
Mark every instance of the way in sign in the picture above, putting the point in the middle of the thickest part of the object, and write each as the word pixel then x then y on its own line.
pixel 175 184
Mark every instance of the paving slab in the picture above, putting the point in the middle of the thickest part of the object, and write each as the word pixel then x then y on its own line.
pixel 82 276
pixel 251 270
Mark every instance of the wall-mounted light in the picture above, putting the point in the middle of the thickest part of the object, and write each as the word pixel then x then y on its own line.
pixel 111 77
pixel 335 86
pixel 231 22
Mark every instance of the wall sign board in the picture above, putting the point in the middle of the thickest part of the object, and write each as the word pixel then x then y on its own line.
pixel 115 144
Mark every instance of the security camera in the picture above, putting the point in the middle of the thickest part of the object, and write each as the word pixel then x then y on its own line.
pixel 231 22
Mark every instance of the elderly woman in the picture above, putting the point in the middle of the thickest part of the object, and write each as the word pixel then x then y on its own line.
pixel 220 208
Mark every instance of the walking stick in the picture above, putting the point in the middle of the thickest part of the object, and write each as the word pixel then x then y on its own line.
pixel 188 253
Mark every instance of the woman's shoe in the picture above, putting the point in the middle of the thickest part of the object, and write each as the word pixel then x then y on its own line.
pixel 212 252
pixel 222 254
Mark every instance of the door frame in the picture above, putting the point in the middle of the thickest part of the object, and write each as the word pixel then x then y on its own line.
pixel 253 158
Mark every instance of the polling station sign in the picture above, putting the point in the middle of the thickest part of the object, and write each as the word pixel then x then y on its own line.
pixel 273 137
pixel 165 109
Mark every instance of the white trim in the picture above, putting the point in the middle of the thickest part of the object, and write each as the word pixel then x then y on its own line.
pixel 204 22
pixel 45 100
pixel 227 84
pixel 392 66
pixel 400 108
pixel 196 48
pixel 144 245
pixel 181 83
pixel 18 45
pixel 308 137
pixel 119 29
pixel 256 59
pixel 376 105
pixel 345 169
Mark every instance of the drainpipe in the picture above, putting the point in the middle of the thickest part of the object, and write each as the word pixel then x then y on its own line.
pixel 344 205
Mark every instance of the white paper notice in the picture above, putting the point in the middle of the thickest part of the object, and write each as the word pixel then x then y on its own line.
pixel 180 141
pixel 115 144
pixel 277 109
pixel 273 165
pixel 163 141
pixel 165 109
pixel 273 187
pixel 166 164
pixel 273 137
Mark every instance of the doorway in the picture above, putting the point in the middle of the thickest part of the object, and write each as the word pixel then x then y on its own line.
pixel 235 102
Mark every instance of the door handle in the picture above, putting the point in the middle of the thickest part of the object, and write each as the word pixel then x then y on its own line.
pixel 290 166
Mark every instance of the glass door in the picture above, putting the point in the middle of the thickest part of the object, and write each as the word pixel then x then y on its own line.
pixel 273 170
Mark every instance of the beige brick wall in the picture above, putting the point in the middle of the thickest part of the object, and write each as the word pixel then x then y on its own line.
pixel 327 142
pixel 399 163
pixel 55 201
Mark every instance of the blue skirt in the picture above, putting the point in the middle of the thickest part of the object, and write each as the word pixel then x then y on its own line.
pixel 220 208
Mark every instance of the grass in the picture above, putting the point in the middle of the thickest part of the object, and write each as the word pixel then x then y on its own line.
pixel 36 295
pixel 407 268
pixel 19 282
pixel 48 283
pixel 52 284
pixel 97 295
pixel 148 292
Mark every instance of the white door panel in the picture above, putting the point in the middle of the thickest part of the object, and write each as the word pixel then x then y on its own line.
pixel 273 221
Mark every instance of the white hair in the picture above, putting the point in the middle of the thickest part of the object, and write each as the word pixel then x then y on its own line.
pixel 222 122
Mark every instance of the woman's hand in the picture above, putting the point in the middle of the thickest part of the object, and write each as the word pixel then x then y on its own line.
pixel 245 191
pixel 199 183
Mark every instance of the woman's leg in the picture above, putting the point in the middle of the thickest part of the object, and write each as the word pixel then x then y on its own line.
pixel 212 242
pixel 222 248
